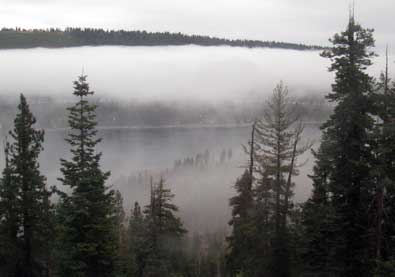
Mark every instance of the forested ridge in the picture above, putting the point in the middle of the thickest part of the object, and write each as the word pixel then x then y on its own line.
pixel 73 37
pixel 346 227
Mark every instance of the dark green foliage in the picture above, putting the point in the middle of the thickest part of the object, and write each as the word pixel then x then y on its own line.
pixel 25 226
pixel 121 239
pixel 10 219
pixel 317 219
pixel 342 182
pixel 262 236
pixel 274 151
pixel 137 244
pixel 90 234
pixel 71 37
pixel 241 241
pixel 163 234
pixel 278 146
pixel 386 269
pixel 382 210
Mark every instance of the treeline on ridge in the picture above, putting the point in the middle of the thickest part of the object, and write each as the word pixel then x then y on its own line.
pixel 73 37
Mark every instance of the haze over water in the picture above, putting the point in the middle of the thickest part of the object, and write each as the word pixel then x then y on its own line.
pixel 177 74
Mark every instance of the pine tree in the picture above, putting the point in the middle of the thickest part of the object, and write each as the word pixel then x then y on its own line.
pixel 262 208
pixel 317 220
pixel 120 235
pixel 278 144
pixel 240 258
pixel 89 239
pixel 136 243
pixel 9 219
pixel 383 141
pixel 164 232
pixel 25 198
pixel 348 149
pixel 243 226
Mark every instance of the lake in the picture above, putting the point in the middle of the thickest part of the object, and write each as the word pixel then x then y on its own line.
pixel 178 73
pixel 202 193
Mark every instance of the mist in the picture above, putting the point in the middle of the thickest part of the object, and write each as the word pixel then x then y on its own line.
pixel 163 73
pixel 183 76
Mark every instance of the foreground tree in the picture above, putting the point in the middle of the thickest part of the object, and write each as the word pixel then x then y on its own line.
pixel 241 241
pixel 24 200
pixel 345 186
pixel 10 219
pixel 137 249
pixel 89 237
pixel 278 144
pixel 259 244
pixel 243 227
pixel 317 220
pixel 382 211
pixel 163 234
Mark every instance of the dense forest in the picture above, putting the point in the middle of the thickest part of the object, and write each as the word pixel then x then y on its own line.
pixel 346 227
pixel 72 37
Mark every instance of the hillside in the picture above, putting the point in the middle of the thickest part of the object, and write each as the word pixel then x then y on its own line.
pixel 73 37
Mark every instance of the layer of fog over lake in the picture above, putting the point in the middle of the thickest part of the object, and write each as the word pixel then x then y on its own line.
pixel 182 74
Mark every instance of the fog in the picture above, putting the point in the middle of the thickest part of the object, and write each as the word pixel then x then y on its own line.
pixel 166 73
pixel 202 190
pixel 188 74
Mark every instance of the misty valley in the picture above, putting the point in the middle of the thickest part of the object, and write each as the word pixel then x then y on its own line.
pixel 229 158
pixel 139 122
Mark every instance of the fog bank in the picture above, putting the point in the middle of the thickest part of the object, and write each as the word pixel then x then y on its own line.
pixel 157 73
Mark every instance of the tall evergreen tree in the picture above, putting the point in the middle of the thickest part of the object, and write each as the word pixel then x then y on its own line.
pixel 259 244
pixel 25 198
pixel 89 239
pixel 349 151
pixel 278 144
pixel 9 219
pixel 383 141
pixel 241 241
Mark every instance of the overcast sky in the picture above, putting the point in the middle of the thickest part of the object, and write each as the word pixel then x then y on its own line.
pixel 307 21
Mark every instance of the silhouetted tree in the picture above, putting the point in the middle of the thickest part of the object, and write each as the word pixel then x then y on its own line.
pixel 26 221
pixel 347 147
pixel 90 242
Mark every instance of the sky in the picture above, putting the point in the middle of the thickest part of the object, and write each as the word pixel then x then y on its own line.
pixel 302 21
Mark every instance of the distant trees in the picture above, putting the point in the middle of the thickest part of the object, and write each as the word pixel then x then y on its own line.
pixel 22 38
pixel 49 112
pixel 25 210
pixel 204 160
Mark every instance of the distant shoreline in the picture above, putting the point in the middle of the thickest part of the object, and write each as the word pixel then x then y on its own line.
pixel 190 126
pixel 19 38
